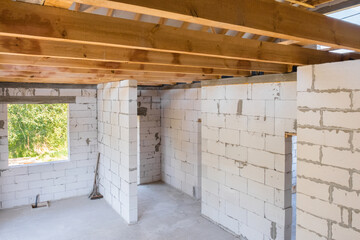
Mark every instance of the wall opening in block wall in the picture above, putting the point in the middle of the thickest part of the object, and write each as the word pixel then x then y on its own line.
pixel 37 133
pixel 293 184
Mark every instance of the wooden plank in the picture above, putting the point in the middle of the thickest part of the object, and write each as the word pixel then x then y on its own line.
pixel 101 30
pixel 137 16
pixel 110 12
pixel 45 48
pixel 271 78
pixel 90 9
pixel 185 25
pixel 59 3
pixel 317 2
pixel 287 42
pixel 262 17
pixel 36 100
pixel 125 69
pixel 96 81
pixel 94 76
pixel 77 7
pixel 304 4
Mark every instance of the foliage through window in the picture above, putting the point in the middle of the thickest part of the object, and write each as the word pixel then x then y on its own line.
pixel 37 133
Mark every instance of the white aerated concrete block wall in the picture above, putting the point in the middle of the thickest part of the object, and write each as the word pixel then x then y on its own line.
pixel 20 184
pixel 246 159
pixel 117 142
pixel 149 133
pixel 328 187
pixel 180 139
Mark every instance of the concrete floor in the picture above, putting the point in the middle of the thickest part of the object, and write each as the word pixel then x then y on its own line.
pixel 164 212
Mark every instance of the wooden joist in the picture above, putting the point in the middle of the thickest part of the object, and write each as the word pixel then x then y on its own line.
pixel 141 80
pixel 40 22
pixel 79 66
pixel 262 17
pixel 22 47
pixel 77 74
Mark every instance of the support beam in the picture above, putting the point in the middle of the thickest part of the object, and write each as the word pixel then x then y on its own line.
pixel 20 20
pixel 91 76
pixel 262 17
pixel 43 48
pixel 143 80
pixel 118 68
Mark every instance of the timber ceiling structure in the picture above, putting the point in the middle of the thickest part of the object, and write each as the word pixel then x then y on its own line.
pixel 161 42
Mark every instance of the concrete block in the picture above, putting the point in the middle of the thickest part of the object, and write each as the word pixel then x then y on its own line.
pixel 304 78
pixel 333 138
pixel 252 140
pixel 310 222
pixel 265 91
pixel 308 118
pixel 236 182
pixel 340 232
pixel 337 100
pixel 253 108
pixel 331 76
pixel 311 188
pixel 308 152
pixel 324 173
pixel 302 233
pixel 261 191
pixel 261 158
pixel 345 198
pixel 319 208
pixel 288 90
pixel 229 136
pixel 235 92
pixel 338 158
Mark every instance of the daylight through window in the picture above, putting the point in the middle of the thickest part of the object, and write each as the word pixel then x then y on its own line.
pixel 37 133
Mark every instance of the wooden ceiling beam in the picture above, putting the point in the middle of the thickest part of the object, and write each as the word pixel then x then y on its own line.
pixel 262 17
pixel 131 69
pixel 118 74
pixel 140 80
pixel 101 30
pixel 44 48
pixel 144 80
pixel 104 67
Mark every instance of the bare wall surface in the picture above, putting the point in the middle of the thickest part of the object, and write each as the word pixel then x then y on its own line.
pixel 328 184
pixel 149 143
pixel 246 159
pixel 117 142
pixel 19 185
pixel 180 139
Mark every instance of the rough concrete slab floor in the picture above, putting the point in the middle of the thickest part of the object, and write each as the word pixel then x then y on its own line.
pixel 164 213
